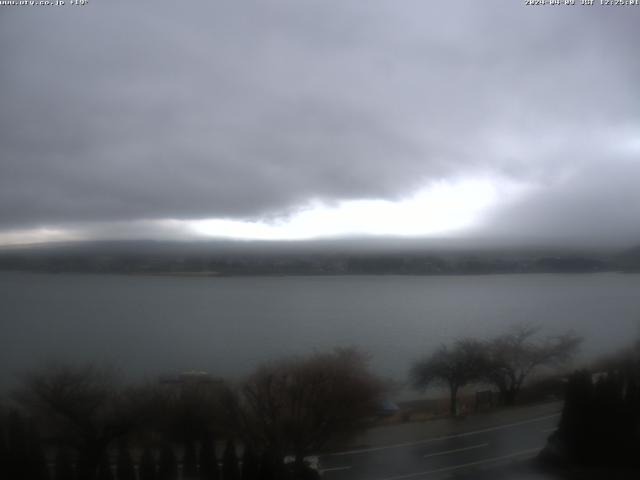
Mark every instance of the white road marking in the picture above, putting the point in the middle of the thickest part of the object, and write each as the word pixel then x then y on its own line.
pixel 334 469
pixel 465 465
pixel 438 439
pixel 446 452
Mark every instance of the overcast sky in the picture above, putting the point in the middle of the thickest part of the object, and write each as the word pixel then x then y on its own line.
pixel 304 119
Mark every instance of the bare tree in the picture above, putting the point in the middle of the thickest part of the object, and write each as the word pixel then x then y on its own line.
pixel 84 406
pixel 512 357
pixel 193 409
pixel 299 405
pixel 453 367
pixel 21 452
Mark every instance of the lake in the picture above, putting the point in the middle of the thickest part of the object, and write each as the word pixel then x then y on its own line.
pixel 226 326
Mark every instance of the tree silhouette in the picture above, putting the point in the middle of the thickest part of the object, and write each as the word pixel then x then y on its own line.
pixel 600 418
pixel 230 469
pixel 208 459
pixel 147 465
pixel 512 357
pixel 189 461
pixel 63 469
pixel 191 407
pixel 250 464
pixel 300 404
pixel 104 470
pixel 271 466
pixel 85 406
pixel 21 448
pixel 124 462
pixel 38 469
pixel 454 367
pixel 167 465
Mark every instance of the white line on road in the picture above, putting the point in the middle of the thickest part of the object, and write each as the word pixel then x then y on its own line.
pixel 334 469
pixel 438 439
pixel 465 465
pixel 446 452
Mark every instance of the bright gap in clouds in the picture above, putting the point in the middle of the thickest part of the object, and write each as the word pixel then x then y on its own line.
pixel 443 208
pixel 39 235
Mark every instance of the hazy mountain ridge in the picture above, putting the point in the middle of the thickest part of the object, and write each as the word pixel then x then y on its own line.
pixel 228 258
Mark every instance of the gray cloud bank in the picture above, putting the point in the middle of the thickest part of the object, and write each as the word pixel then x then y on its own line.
pixel 126 111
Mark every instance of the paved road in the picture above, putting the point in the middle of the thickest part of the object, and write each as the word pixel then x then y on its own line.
pixel 469 454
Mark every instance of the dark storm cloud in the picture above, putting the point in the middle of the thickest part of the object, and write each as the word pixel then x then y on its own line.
pixel 593 206
pixel 148 110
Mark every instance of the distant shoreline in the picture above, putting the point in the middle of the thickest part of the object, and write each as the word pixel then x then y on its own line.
pixel 327 275
pixel 185 260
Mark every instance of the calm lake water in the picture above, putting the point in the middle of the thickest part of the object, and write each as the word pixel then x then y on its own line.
pixel 226 326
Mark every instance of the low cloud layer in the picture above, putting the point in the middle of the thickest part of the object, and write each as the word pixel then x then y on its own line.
pixel 132 113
